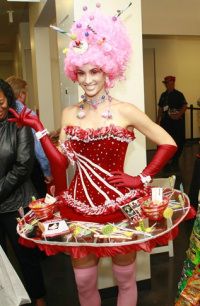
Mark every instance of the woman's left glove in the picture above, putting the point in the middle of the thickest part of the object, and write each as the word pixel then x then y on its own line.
pixel 122 179
pixel 163 154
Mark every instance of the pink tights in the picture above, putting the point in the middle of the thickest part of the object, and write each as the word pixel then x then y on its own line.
pixel 126 281
pixel 86 280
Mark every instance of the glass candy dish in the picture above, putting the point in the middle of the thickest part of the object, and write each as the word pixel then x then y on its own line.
pixel 42 210
pixel 154 211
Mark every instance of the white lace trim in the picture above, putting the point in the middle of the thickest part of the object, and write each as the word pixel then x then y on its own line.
pixel 95 138
pixel 111 205
pixel 90 134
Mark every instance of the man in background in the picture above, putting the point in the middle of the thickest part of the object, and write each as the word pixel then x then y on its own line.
pixel 171 116
pixel 41 174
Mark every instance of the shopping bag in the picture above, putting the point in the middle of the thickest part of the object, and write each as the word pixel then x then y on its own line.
pixel 12 291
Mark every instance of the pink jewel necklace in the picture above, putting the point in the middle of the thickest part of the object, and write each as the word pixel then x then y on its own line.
pixel 94 103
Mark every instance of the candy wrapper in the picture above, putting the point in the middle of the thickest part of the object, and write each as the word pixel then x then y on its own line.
pixel 189 285
pixel 190 295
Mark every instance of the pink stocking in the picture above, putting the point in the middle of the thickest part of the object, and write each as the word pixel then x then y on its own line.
pixel 86 280
pixel 127 289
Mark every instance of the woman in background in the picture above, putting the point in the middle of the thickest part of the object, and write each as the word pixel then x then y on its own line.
pixel 16 190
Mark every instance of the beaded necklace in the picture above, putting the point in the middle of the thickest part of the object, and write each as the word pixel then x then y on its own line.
pixel 94 103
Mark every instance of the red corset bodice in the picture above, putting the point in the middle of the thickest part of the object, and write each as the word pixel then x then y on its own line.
pixel 96 153
pixel 106 146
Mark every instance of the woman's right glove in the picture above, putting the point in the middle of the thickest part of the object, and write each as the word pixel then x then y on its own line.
pixel 57 160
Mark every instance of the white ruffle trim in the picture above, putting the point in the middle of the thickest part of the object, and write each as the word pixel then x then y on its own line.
pixel 109 205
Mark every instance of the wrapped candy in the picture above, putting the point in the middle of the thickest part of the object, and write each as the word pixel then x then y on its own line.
pixel 189 285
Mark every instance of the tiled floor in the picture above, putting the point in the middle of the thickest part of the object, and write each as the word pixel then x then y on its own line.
pixel 165 271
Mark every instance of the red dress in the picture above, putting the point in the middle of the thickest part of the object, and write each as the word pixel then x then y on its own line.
pixel 95 153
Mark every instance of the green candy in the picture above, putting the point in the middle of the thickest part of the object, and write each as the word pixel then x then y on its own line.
pixel 108 229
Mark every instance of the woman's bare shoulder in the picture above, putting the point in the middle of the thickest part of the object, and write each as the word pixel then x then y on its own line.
pixel 70 109
pixel 128 112
pixel 69 113
pixel 125 106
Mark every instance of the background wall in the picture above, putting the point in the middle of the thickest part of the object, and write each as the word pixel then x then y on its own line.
pixel 171 28
pixel 179 56
pixel 44 53
pixel 68 90
pixel 171 17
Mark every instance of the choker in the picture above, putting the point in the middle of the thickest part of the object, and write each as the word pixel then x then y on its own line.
pixel 94 103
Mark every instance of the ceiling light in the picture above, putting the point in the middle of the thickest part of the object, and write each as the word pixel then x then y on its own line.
pixel 23 0
pixel 10 16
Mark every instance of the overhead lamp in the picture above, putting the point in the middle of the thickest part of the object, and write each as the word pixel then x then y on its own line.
pixel 23 0
pixel 10 16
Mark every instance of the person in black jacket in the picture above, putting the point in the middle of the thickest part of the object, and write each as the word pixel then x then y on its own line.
pixel 171 115
pixel 16 190
pixel 41 173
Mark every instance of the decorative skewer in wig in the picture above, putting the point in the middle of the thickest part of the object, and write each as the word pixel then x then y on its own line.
pixel 100 40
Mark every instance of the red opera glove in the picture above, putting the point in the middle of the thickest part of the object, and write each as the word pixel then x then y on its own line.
pixel 57 160
pixel 122 179
pixel 163 154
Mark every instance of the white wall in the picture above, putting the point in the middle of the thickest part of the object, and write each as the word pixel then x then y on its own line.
pixel 55 77
pixel 178 56
pixel 171 17
pixel 68 90
pixel 44 61
pixel 26 61
pixel 44 77
pixel 34 13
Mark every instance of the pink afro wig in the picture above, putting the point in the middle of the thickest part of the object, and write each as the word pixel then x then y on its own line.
pixel 99 40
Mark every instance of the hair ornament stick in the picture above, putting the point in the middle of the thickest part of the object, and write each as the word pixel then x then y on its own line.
pixel 63 19
pixel 94 43
pixel 70 35
pixel 120 12
pixel 79 25
pixel 91 29
pixel 60 30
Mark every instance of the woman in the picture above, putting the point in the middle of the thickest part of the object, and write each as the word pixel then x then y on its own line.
pixel 16 190
pixel 41 175
pixel 94 136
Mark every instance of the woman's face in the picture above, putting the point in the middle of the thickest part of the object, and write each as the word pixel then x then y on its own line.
pixel 92 79
pixel 3 106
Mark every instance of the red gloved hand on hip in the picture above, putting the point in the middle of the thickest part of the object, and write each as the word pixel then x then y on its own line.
pixel 163 154
pixel 122 179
